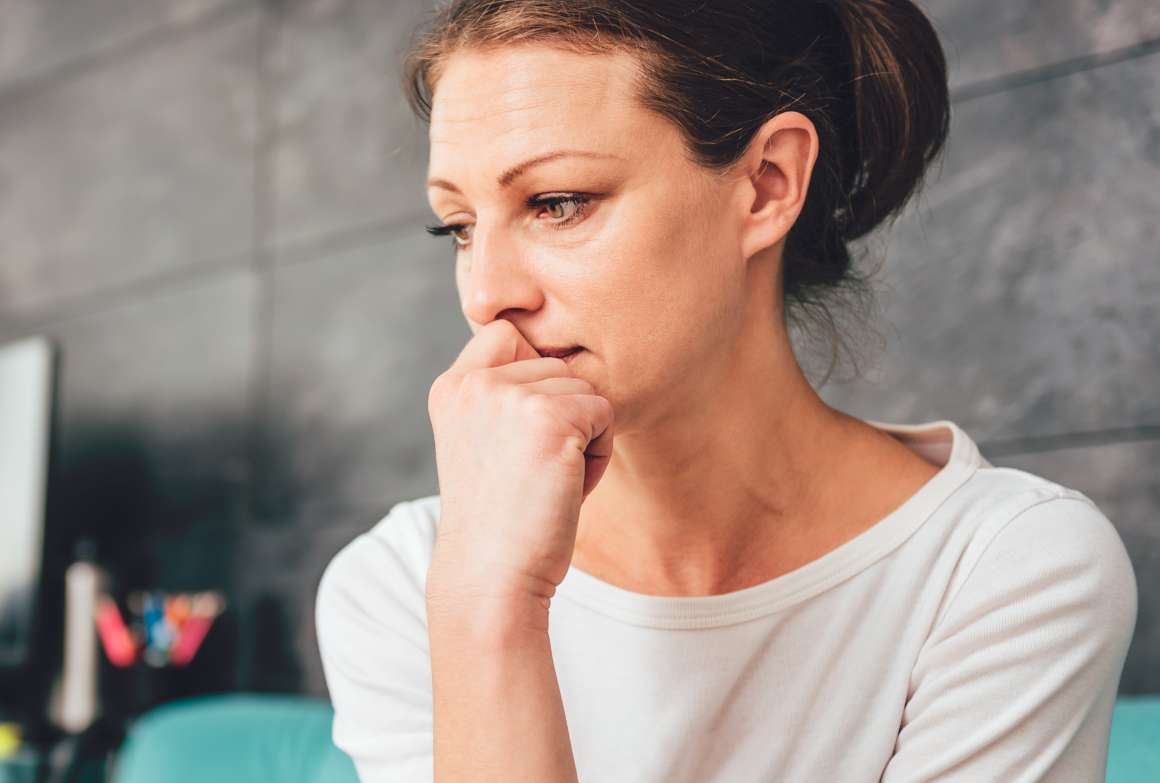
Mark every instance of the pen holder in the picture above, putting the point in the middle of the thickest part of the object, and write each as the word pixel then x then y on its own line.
pixel 149 644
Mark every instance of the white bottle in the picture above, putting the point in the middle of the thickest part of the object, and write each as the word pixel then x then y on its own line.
pixel 74 705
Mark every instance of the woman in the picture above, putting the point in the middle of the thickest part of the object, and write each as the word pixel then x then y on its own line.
pixel 743 583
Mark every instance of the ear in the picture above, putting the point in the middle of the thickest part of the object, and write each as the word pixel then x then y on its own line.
pixel 778 165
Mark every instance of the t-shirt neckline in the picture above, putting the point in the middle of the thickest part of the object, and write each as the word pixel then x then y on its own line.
pixel 940 441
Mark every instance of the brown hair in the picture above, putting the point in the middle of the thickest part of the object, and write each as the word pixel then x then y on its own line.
pixel 870 75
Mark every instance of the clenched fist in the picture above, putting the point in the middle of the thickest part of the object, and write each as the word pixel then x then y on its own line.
pixel 520 441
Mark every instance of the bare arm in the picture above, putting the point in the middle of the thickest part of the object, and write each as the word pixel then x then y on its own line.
pixel 498 715
pixel 519 443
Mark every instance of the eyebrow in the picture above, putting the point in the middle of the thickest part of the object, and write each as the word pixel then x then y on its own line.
pixel 506 179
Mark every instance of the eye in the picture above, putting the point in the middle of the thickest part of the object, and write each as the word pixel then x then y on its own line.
pixel 579 200
pixel 554 203
pixel 451 229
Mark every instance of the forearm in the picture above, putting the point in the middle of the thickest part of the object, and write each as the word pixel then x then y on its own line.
pixel 498 714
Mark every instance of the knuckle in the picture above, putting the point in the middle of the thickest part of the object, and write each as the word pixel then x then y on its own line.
pixel 538 407
pixel 571 448
pixel 513 396
pixel 475 383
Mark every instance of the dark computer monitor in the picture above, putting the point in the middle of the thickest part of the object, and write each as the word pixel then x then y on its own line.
pixel 25 416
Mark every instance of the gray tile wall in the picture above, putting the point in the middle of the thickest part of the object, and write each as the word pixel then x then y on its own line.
pixel 215 208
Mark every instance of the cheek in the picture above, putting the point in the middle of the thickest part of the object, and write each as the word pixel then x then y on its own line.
pixel 673 270
pixel 663 311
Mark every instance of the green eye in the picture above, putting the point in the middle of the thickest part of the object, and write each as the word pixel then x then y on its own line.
pixel 579 200
pixel 551 202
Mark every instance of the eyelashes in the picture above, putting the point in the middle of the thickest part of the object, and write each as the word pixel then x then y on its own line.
pixel 579 200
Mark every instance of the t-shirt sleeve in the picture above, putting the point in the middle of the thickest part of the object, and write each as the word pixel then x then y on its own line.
pixel 1018 678
pixel 370 615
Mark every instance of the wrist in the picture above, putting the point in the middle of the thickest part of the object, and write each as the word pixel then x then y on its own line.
pixel 485 625
pixel 459 577
pixel 514 593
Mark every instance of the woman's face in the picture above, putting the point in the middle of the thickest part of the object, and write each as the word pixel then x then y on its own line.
pixel 648 275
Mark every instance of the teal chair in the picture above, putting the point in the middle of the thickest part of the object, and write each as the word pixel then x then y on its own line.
pixel 1134 745
pixel 234 738
pixel 258 738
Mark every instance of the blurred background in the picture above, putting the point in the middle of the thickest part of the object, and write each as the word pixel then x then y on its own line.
pixel 217 297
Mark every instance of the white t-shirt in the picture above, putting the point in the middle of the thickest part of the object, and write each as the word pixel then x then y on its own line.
pixel 977 633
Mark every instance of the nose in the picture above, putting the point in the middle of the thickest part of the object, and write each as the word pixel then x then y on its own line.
pixel 496 277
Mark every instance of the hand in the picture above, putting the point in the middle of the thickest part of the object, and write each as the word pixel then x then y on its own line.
pixel 520 442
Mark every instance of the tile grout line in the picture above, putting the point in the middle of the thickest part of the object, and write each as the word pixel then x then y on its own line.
pixel 192 274
pixel 1044 73
pixel 109 298
pixel 353 237
pixel 264 227
pixel 163 35
pixel 1037 444
pixel 261 318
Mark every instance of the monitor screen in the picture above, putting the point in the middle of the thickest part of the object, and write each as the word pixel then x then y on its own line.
pixel 25 408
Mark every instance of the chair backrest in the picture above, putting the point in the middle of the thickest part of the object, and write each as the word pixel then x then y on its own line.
pixel 234 738
pixel 1134 745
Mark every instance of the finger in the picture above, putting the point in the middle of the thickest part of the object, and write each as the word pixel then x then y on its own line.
pixel 560 386
pixel 496 343
pixel 529 370
pixel 597 411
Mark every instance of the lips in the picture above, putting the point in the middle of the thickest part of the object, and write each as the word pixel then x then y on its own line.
pixel 565 354
pixel 558 353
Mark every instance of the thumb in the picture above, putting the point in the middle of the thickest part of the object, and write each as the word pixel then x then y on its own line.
pixel 496 343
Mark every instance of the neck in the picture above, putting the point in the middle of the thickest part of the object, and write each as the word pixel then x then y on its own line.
pixel 734 462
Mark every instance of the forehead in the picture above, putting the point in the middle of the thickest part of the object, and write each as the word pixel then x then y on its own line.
pixel 513 100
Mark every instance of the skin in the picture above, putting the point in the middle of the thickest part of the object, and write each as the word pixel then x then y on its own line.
pixel 728 469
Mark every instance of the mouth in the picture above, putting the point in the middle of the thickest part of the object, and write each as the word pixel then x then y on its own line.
pixel 560 353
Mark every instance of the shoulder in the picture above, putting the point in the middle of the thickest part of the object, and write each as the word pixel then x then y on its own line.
pixel 404 537
pixel 381 570
pixel 371 623
pixel 1037 543
pixel 1021 665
